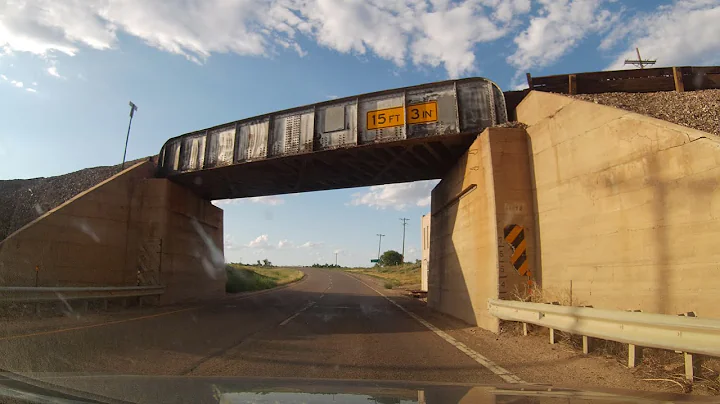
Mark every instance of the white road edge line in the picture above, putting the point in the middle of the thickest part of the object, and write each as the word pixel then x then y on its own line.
pixel 287 320
pixel 500 371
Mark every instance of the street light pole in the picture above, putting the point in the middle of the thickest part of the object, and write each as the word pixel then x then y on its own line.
pixel 133 108
pixel 404 221
pixel 380 243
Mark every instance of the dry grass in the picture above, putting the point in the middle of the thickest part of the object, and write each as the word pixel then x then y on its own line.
pixel 657 366
pixel 407 275
pixel 535 294
pixel 242 278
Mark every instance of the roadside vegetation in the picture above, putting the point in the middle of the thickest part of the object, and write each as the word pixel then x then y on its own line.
pixel 244 278
pixel 396 276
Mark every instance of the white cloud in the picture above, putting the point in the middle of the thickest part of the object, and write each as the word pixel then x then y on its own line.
pixel 283 244
pixel 272 200
pixel 683 33
pixel 311 244
pixel 229 242
pixel 396 196
pixel 32 90
pixel 267 200
pixel 437 33
pixel 261 242
pixel 221 202
pixel 18 84
pixel 559 26
pixel 52 70
pixel 449 36
pixel 4 77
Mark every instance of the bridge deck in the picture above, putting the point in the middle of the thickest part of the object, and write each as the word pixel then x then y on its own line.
pixel 365 165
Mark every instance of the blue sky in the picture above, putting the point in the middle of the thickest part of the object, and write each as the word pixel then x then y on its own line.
pixel 68 70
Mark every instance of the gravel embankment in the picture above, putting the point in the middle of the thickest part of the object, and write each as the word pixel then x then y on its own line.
pixel 695 109
pixel 22 201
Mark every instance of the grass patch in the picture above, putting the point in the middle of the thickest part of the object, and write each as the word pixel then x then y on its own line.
pixel 406 275
pixel 243 279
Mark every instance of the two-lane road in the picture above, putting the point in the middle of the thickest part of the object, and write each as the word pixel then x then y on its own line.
pixel 330 325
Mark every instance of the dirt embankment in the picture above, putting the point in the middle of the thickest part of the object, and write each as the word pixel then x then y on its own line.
pixel 22 201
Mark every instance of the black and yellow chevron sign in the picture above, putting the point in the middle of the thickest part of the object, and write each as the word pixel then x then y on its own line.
pixel 515 236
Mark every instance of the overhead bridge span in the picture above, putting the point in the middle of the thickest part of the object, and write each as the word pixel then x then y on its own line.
pixel 408 134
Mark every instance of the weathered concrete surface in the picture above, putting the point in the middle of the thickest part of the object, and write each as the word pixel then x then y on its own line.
pixel 628 207
pixel 81 242
pixel 130 229
pixel 425 243
pixel 487 191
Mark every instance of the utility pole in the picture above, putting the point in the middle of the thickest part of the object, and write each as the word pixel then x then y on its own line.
pixel 133 108
pixel 379 244
pixel 404 221
pixel 336 259
pixel 640 62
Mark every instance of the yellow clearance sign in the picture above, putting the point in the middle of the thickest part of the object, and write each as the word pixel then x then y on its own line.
pixel 389 117
pixel 385 118
pixel 422 113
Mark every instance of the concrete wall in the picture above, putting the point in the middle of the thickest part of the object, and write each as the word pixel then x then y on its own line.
pixel 485 192
pixel 81 242
pixel 425 253
pixel 628 207
pixel 131 229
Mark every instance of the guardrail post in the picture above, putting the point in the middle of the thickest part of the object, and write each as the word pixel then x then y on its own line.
pixel 635 354
pixel 692 365
pixel 525 329
pixel 677 76
pixel 586 344
pixel 552 336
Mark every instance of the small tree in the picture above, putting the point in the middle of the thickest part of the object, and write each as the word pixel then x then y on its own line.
pixel 390 258
pixel 267 263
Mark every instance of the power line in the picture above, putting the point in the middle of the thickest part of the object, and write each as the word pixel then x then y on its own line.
pixel 404 221
pixel 640 62
pixel 379 243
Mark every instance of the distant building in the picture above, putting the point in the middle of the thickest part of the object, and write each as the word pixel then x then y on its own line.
pixel 425 226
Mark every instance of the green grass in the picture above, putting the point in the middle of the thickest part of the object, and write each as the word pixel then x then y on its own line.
pixel 406 275
pixel 243 278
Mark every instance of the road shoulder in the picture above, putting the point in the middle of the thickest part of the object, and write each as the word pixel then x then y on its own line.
pixel 531 358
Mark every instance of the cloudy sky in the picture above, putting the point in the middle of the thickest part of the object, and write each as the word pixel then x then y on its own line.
pixel 68 69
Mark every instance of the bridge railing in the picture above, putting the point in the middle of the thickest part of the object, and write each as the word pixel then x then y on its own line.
pixel 23 294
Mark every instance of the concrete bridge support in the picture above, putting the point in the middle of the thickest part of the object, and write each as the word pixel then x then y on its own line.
pixel 615 210
pixel 482 239
pixel 130 229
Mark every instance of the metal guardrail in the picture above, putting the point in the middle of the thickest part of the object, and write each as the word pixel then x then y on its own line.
pixel 678 333
pixel 23 294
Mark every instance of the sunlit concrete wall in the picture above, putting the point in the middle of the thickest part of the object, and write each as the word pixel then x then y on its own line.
pixel 105 235
pixel 485 193
pixel 628 207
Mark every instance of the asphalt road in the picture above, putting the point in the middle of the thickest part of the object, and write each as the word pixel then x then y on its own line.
pixel 329 325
